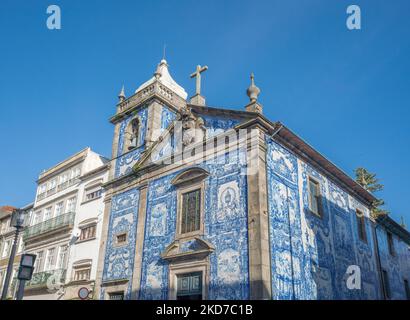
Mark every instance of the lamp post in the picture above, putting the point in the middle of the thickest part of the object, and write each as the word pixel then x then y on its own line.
pixel 17 221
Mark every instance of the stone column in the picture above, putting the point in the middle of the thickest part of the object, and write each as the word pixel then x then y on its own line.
pixel 114 151
pixel 153 122
pixel 136 277
pixel 258 223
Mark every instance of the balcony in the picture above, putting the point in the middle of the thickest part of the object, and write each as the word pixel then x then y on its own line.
pixel 62 221
pixel 55 278
pixel 41 196
pixel 62 186
pixel 51 191
pixel 68 183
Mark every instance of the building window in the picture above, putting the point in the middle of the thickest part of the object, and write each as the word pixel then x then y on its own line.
pixel 88 232
pixel 3 227
pixel 191 211
pixel 190 186
pixel 390 243
pixel 82 274
pixel 20 247
pixel 407 289
pixel 59 208
pixel 189 286
pixel 93 194
pixel 75 173
pixel 119 295
pixel 315 201
pixel 71 204
pixel 361 225
pixel 52 187
pixel 41 191
pixel 37 218
pixel 38 263
pixel 2 272
pixel 6 249
pixel 386 284
pixel 50 259
pixel 62 257
pixel 47 214
pixel 121 239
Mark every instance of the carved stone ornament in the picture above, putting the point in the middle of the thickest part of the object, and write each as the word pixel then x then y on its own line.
pixel 193 129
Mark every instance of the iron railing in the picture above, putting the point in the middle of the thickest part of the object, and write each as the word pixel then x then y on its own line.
pixel 63 220
pixel 51 279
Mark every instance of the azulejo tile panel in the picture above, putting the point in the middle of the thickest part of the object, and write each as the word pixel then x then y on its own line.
pixel 397 266
pixel 216 125
pixel 310 254
pixel 288 261
pixel 119 260
pixel 167 117
pixel 225 225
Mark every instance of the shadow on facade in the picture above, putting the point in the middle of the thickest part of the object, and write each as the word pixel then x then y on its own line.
pixel 334 247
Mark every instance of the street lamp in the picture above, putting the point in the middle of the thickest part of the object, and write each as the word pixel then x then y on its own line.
pixel 17 221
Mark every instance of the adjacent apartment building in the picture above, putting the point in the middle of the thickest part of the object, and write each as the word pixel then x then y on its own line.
pixel 65 227
pixel 7 234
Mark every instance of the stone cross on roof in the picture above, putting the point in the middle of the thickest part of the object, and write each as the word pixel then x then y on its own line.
pixel 197 99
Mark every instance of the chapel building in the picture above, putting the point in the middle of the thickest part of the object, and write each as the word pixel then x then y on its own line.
pixel 214 203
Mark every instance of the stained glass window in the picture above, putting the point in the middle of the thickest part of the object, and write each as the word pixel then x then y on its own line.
pixel 191 211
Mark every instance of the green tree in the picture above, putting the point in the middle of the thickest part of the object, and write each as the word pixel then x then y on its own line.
pixel 369 182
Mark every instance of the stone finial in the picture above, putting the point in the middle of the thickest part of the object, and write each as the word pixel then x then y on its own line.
pixel 158 71
pixel 253 92
pixel 121 96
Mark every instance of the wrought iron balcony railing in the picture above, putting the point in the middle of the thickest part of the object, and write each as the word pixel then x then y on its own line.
pixel 51 279
pixel 41 196
pixel 61 221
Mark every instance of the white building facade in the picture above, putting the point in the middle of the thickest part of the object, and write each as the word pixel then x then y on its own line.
pixel 64 229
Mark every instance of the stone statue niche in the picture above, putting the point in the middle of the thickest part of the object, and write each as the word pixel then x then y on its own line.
pixel 193 129
pixel 132 135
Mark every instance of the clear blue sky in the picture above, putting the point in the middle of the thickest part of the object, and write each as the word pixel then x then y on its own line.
pixel 345 92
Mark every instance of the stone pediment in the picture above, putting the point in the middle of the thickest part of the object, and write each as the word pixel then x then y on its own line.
pixel 187 249
pixel 190 175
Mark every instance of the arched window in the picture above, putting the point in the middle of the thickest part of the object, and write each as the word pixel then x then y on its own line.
pixel 131 135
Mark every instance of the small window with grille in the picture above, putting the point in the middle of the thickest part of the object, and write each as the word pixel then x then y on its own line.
pixel 191 211
pixel 116 295
pixel 121 239
pixel 315 199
